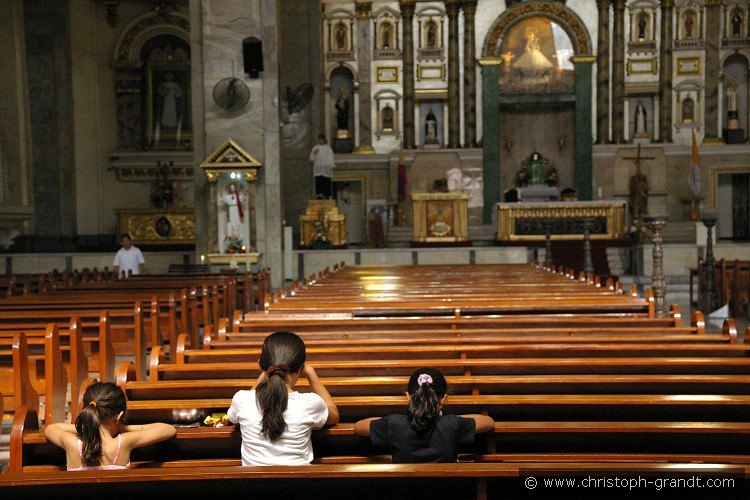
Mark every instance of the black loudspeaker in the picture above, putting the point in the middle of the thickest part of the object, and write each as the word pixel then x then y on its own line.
pixel 252 56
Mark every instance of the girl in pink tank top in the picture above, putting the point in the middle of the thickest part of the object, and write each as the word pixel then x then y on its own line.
pixel 99 440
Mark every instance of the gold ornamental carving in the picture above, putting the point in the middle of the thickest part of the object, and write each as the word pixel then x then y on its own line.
pixel 554 11
pixel 509 213
pixel 440 217
pixel 230 157
pixel 153 226
pixel 322 221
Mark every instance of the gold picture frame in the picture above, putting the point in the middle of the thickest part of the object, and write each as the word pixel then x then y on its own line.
pixel 689 66
pixel 387 74
pixel 431 72
pixel 634 66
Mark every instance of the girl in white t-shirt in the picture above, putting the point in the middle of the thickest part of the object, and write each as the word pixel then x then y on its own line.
pixel 275 420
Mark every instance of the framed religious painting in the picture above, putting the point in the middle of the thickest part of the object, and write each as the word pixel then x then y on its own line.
pixel 168 119
pixel 387 74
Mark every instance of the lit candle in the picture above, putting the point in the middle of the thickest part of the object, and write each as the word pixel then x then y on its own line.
pixel 203 258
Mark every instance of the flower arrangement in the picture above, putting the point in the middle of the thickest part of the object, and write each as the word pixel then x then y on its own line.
pixel 320 241
pixel 233 244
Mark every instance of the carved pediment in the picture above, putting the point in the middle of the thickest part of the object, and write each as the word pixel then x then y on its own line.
pixel 230 157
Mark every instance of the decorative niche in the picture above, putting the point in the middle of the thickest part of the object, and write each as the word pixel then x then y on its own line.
pixel 689 32
pixel 387 112
pixel 151 64
pixel 688 101
pixel 736 25
pixel 642 17
pixel 431 27
pixel 339 39
pixel 387 44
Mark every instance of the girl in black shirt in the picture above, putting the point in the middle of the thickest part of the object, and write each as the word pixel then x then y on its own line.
pixel 424 434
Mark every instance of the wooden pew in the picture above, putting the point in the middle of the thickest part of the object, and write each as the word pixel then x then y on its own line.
pixel 659 441
pixel 401 481
pixel 50 376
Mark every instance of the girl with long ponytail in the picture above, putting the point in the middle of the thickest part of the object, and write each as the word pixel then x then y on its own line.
pixel 99 439
pixel 424 434
pixel 275 420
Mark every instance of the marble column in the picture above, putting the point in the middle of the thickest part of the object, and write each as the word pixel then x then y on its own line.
pixel 50 103
pixel 217 30
pixel 364 51
pixel 583 136
pixel 452 8
pixel 602 74
pixel 270 242
pixel 618 73
pixel 713 39
pixel 470 75
pixel 490 135
pixel 665 71
pixel 407 25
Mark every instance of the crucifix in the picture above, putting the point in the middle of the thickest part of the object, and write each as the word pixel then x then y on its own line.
pixel 638 187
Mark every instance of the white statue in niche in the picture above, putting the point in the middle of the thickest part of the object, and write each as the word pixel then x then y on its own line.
pixel 640 120
pixel 430 128
pixel 235 202
pixel 733 116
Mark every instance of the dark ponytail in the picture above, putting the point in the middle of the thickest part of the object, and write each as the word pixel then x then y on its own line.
pixel 283 353
pixel 427 387
pixel 102 402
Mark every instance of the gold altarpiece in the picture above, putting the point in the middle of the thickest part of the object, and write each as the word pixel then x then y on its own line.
pixel 158 226
pixel 322 219
pixel 440 217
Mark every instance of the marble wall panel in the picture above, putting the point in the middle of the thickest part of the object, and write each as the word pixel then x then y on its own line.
pixel 501 255
pixel 444 256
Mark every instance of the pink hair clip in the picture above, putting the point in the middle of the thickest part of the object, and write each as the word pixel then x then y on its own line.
pixel 424 379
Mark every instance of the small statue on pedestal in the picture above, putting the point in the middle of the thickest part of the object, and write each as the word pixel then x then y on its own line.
pixel 733 122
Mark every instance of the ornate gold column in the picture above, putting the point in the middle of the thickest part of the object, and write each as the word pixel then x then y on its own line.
pixel 665 72
pixel 618 73
pixel 602 74
pixel 454 91
pixel 407 17
pixel 364 51
pixel 470 76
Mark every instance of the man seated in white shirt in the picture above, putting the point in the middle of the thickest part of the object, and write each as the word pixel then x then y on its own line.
pixel 129 259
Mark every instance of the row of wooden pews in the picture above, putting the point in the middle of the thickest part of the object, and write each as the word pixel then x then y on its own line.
pixel 578 376
pixel 98 320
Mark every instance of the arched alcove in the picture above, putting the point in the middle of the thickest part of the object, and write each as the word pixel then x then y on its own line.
pixel 151 49
pixel 736 88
